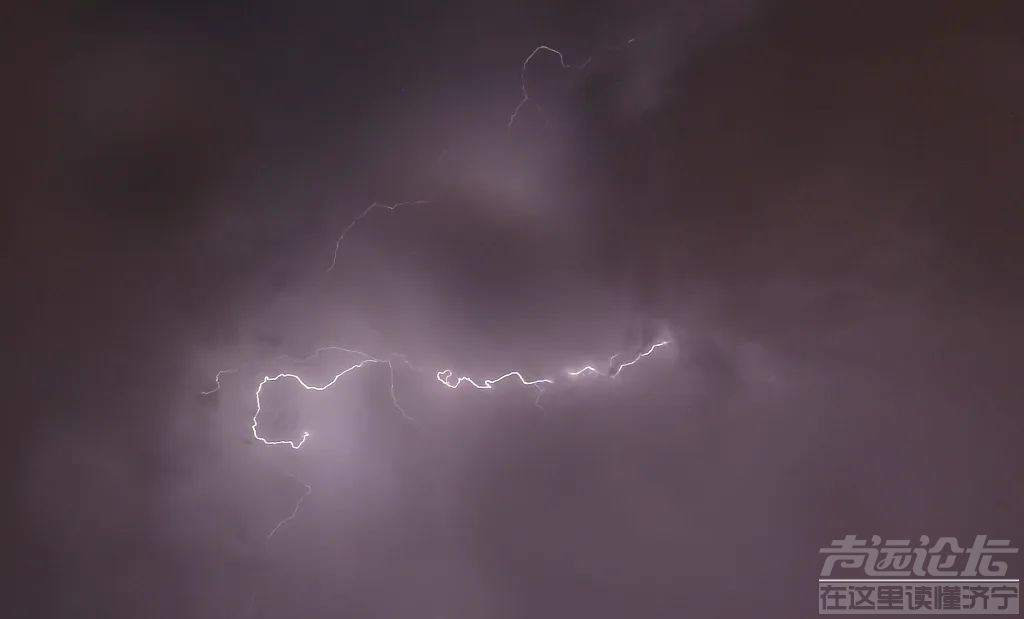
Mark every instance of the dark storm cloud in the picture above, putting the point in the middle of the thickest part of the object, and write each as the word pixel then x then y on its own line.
pixel 819 204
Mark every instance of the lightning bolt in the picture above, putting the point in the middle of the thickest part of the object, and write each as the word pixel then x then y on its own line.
pixel 636 359
pixel 617 46
pixel 375 205
pixel 295 510
pixel 368 360
pixel 445 376
pixel 522 76
pixel 216 379
pixel 614 370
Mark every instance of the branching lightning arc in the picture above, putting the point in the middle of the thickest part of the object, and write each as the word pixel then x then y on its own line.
pixel 522 76
pixel 447 377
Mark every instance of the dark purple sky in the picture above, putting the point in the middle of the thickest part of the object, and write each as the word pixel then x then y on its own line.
pixel 820 203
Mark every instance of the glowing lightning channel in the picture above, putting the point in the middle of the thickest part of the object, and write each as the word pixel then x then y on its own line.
pixel 444 376
pixel 394 398
pixel 216 379
pixel 295 511
pixel 639 357
pixel 585 369
pixel 522 76
pixel 375 205
pixel 366 361
pixel 612 373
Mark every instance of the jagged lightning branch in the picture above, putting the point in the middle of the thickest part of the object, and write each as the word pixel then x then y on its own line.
pixel 216 379
pixel 640 356
pixel 446 377
pixel 368 359
pixel 375 205
pixel 295 511
pixel 522 76
pixel 443 376
pixel 614 370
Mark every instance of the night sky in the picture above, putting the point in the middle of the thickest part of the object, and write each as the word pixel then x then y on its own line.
pixel 819 204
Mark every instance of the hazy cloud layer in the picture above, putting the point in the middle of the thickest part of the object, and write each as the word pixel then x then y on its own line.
pixel 819 205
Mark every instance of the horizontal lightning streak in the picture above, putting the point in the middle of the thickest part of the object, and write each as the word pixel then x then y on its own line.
pixel 444 376
pixel 587 368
